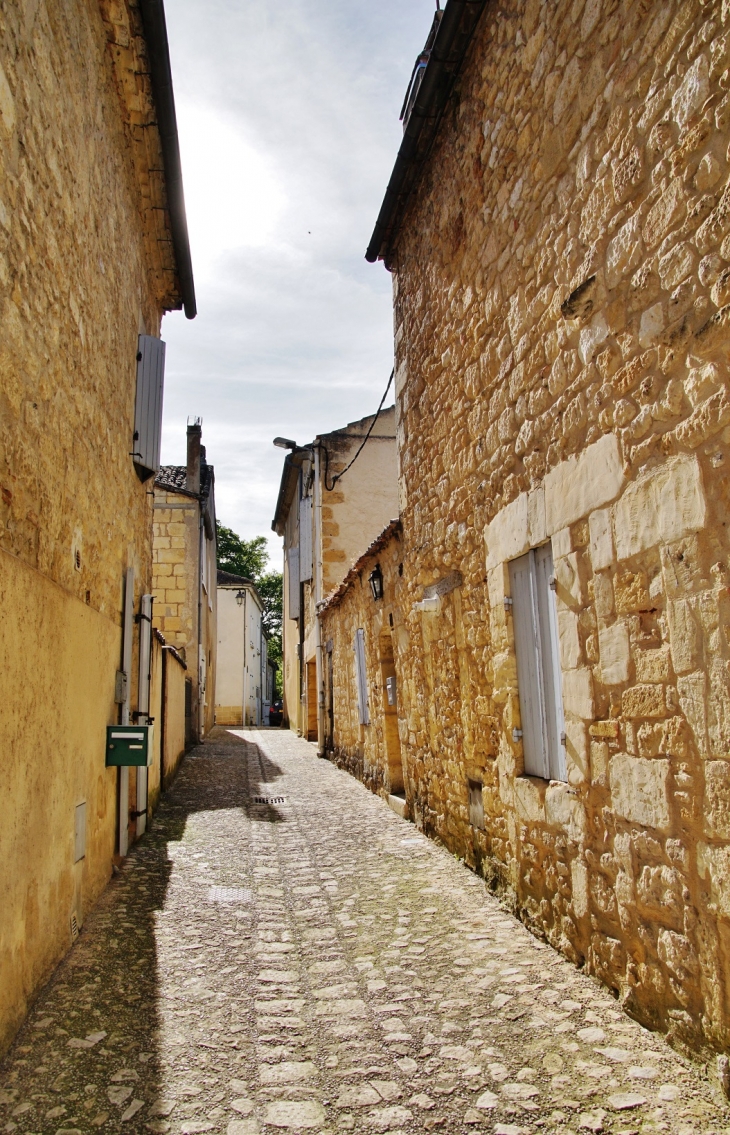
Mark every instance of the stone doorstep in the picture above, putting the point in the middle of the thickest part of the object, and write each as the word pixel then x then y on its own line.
pixel 399 804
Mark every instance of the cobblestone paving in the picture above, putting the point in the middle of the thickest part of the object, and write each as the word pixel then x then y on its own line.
pixel 312 963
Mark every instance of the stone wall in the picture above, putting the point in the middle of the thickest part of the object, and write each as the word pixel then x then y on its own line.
pixel 179 596
pixel 561 285
pixel 370 752
pixel 83 270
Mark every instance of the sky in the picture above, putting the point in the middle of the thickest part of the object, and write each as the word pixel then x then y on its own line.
pixel 288 124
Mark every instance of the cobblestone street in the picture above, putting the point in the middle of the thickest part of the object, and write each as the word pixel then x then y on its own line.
pixel 313 962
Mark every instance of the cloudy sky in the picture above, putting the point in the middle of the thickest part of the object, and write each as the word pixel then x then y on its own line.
pixel 288 121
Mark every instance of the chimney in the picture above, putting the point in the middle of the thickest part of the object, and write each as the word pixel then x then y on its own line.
pixel 192 479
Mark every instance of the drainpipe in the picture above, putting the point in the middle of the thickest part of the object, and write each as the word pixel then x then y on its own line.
pixel 318 600
pixel 127 632
pixel 245 670
pixel 143 701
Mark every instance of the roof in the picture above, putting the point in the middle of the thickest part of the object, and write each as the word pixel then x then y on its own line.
pixel 158 55
pixel 377 545
pixel 174 478
pixel 454 34
pixel 228 579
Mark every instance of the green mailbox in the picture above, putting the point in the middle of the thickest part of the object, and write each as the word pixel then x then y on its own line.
pixel 129 745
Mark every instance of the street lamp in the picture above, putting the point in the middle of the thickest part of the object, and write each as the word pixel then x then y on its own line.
pixel 284 443
pixel 375 579
pixel 240 597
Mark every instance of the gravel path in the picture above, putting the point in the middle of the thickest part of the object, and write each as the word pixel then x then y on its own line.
pixel 310 962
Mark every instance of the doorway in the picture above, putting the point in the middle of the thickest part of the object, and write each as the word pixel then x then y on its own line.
pixel 395 781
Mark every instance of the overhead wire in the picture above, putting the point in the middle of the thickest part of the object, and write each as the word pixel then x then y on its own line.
pixel 341 474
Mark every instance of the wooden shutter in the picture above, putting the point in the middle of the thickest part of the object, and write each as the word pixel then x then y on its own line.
pixel 148 404
pixel 293 561
pixel 361 678
pixel 305 539
pixel 538 667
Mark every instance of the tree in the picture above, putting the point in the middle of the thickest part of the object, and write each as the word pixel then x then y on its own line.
pixel 250 558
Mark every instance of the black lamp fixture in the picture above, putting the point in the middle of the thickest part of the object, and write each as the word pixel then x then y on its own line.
pixel 284 443
pixel 375 579
pixel 240 597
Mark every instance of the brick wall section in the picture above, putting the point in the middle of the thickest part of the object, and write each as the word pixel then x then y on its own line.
pixel 561 288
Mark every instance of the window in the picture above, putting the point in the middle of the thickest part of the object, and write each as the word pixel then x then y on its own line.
pixel 538 663
pixel 148 405
pixel 361 678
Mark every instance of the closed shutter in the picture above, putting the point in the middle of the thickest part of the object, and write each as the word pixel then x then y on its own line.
pixel 305 539
pixel 538 667
pixel 148 404
pixel 293 573
pixel 361 678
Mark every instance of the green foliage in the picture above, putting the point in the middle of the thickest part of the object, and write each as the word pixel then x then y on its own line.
pixel 250 558
pixel 241 557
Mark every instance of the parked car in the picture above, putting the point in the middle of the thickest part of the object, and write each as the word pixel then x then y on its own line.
pixel 276 713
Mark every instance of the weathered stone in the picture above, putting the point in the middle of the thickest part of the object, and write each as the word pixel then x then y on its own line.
pixel 601 530
pixel 644 701
pixel 639 790
pixel 613 644
pixel 662 506
pixel 577 486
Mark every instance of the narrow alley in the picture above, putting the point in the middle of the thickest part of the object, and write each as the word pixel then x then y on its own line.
pixel 281 951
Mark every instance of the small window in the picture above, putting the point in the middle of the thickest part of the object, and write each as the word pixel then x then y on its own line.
pixel 538 663
pixel 361 678
pixel 476 804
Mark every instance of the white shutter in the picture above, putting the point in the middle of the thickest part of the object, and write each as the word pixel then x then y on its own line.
pixel 293 560
pixel 529 680
pixel 361 678
pixel 148 403
pixel 550 656
pixel 538 668
pixel 305 539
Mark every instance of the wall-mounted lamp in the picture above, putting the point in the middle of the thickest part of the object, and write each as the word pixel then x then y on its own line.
pixel 284 443
pixel 375 579
pixel 240 596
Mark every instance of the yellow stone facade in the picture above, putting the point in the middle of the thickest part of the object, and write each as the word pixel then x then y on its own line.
pixel 185 595
pixel 85 267
pixel 563 347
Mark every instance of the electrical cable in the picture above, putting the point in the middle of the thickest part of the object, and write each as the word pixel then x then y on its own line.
pixel 337 476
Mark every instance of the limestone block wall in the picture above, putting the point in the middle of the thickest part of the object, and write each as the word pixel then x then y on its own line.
pixel 373 752
pixel 561 311
pixel 81 275
pixel 175 568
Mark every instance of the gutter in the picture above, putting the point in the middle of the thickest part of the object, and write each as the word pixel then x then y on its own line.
pixel 158 53
pixel 454 35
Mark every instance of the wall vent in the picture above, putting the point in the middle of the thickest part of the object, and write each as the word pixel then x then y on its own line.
pixel 269 800
pixel 74 927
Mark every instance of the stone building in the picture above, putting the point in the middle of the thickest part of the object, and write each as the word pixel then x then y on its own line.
pixel 184 576
pixel 363 637
pixel 241 679
pixel 558 230
pixel 327 513
pixel 93 251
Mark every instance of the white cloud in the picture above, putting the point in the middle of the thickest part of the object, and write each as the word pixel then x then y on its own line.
pixel 288 120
